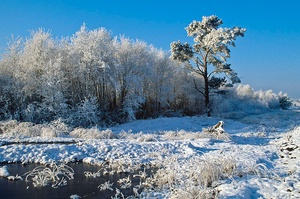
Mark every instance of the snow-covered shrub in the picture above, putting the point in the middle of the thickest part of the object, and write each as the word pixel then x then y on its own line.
pixel 48 132
pixel 56 128
pixel 7 126
pixel 242 100
pixel 284 101
pixel 86 114
pixel 60 126
pixel 92 133
pixel 192 177
pixel 296 103
pixel 15 128
pixel 28 129
pixel 267 98
pixel 244 91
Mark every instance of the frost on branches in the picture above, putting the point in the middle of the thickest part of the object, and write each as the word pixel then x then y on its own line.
pixel 211 47
pixel 92 78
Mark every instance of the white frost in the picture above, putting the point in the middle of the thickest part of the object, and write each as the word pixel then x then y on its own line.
pixel 4 172
pixel 260 158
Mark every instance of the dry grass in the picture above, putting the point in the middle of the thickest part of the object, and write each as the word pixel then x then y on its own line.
pixel 50 174
pixel 193 178
pixel 92 133
pixel 14 128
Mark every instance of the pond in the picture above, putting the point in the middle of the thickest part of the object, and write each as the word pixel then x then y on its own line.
pixel 85 187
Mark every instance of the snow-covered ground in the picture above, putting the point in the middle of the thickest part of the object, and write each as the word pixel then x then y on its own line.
pixel 256 157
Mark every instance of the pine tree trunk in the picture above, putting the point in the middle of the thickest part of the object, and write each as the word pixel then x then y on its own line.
pixel 206 87
pixel 206 95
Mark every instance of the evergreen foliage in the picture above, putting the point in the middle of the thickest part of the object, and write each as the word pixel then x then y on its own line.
pixel 211 48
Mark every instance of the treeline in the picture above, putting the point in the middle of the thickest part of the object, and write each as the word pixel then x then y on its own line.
pixel 91 78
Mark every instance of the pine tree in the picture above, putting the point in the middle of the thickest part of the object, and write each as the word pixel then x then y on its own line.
pixel 211 48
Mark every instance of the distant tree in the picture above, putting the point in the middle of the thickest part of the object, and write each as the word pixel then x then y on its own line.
pixel 211 47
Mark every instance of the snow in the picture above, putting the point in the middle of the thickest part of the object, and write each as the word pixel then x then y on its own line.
pixel 4 172
pixel 75 196
pixel 262 152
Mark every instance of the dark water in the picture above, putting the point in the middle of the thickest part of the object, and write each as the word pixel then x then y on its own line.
pixel 80 185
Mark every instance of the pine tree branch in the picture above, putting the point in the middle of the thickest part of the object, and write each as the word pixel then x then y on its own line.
pixel 198 88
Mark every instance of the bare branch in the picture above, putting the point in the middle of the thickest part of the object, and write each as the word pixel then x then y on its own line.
pixel 198 88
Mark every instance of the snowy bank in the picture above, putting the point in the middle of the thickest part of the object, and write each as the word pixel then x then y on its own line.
pixel 258 158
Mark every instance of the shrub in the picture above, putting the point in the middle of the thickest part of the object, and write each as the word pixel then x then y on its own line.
pixel 92 133
pixel 242 100
pixel 284 101
pixel 85 114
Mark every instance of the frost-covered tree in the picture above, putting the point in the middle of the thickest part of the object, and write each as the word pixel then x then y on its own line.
pixel 11 99
pixel 132 58
pixel 211 48
pixel 37 53
pixel 90 60
pixel 91 75
pixel 157 87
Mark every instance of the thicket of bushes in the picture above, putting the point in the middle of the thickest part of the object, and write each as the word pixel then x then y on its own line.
pixel 93 78
pixel 242 100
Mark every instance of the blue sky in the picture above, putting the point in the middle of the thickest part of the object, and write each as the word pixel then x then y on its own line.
pixel 266 58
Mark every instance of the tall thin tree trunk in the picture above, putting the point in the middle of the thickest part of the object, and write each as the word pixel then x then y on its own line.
pixel 206 95
pixel 206 88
